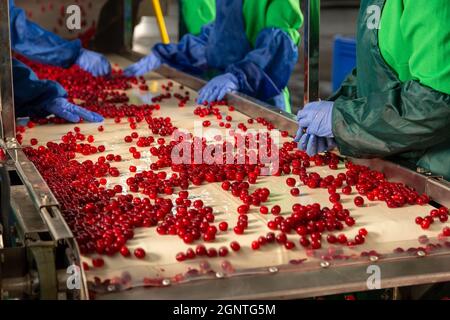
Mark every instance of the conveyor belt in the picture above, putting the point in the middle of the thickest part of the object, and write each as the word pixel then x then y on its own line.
pixel 388 229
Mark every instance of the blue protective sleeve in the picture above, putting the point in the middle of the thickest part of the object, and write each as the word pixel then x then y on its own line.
pixel 30 93
pixel 38 44
pixel 266 70
pixel 189 54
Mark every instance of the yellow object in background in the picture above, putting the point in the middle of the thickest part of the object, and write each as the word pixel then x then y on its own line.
pixel 161 23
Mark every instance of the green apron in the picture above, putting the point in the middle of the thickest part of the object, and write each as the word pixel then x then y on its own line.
pixel 377 115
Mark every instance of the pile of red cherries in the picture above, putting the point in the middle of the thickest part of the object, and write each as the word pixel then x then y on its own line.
pixel 103 219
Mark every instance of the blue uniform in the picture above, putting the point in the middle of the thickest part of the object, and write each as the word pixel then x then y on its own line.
pixel 40 98
pixel 255 62
pixel 38 44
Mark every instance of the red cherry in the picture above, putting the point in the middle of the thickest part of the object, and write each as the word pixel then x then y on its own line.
pixel 180 256
pixel 262 240
pixel 212 252
pixel 289 245
pixel 425 224
pixel 200 250
pixel 281 238
pixel 342 238
pixel 335 197
pixel 223 226
pixel 190 253
pixel 295 192
pixel 349 221
pixel 263 210
pixel 446 232
pixel 226 185
pixel 198 203
pixel 331 239
pixel 209 237
pixel 223 251
pixel 98 262
pixel 290 182
pixel 272 225
pixel 276 209
pixel 359 201
pixel 139 253
pixel 270 237
pixel 137 155
pixel 235 246
pixel 359 239
pixel 255 245
pixel 362 232
pixel 188 238
pixel 238 230
pixel 316 244
pixel 347 190
pixel 124 251
pixel 243 209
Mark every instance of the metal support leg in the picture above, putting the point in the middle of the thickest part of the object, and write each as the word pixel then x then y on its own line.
pixel 311 47
pixel 128 24
pixel 5 205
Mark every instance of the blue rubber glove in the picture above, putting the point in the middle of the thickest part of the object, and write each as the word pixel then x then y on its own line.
pixel 217 88
pixel 143 66
pixel 315 133
pixel 62 108
pixel 93 62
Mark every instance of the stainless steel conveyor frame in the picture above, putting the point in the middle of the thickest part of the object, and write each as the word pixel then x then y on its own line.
pixel 38 231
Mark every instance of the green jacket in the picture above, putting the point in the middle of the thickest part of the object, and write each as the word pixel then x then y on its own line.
pixel 258 14
pixel 197 13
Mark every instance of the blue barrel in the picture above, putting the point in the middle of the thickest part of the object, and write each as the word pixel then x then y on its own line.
pixel 344 59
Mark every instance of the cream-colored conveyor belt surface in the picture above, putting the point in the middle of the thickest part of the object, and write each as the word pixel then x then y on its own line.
pixel 388 228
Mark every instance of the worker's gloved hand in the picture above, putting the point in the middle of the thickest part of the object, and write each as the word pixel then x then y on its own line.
pixel 143 66
pixel 93 62
pixel 315 133
pixel 217 88
pixel 62 108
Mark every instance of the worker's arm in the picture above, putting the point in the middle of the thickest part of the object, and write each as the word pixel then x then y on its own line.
pixel 30 91
pixel 187 55
pixel 38 44
pixel 40 98
pixel 266 70
pixel 273 28
pixel 420 118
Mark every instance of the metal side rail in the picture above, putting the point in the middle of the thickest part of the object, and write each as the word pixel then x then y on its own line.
pixel 42 197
